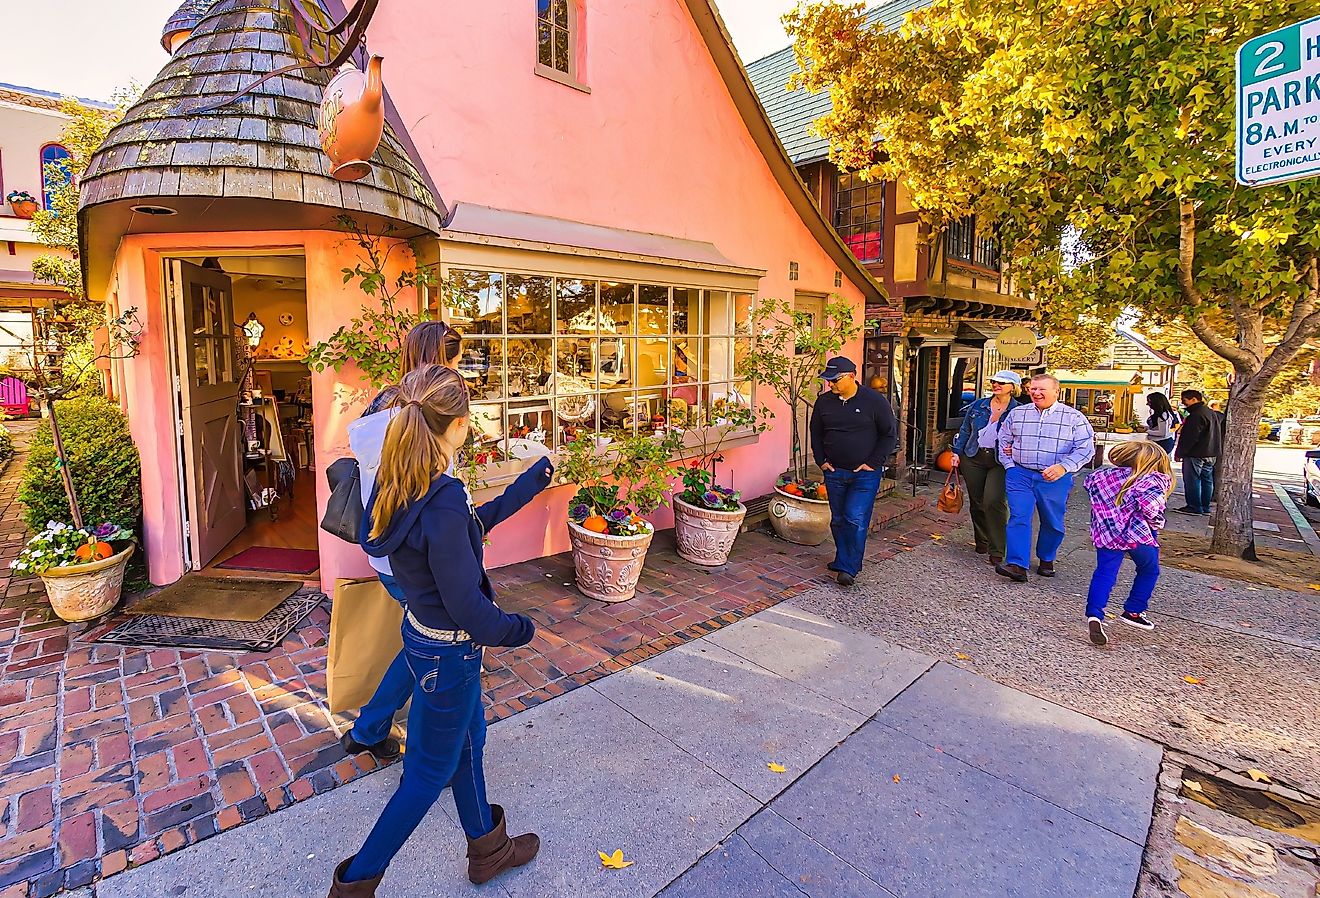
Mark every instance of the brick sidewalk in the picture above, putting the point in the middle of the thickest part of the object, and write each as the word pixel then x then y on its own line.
pixel 113 756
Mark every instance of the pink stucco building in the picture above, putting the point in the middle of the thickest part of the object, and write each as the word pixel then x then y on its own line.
pixel 594 183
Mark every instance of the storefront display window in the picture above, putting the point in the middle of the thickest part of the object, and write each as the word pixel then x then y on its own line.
pixel 550 357
pixel 878 365
pixel 963 385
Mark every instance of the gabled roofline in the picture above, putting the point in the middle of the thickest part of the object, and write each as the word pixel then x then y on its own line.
pixel 1141 343
pixel 713 31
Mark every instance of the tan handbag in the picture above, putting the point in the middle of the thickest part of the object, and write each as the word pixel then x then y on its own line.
pixel 951 497
pixel 364 639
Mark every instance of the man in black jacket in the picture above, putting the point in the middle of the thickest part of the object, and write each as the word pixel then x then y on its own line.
pixel 853 433
pixel 1199 440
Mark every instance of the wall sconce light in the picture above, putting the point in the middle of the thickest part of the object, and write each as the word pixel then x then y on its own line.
pixel 254 329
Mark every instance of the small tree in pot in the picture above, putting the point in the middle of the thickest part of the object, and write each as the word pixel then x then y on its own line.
pixel 786 350
pixel 617 486
pixel 707 516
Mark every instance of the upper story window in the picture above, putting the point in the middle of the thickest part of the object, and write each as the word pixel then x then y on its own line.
pixel 859 214
pixel 967 243
pixel 554 35
pixel 55 171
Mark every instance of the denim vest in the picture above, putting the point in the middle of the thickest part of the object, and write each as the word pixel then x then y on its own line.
pixel 976 419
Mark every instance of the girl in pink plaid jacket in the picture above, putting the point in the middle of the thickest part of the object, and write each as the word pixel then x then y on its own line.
pixel 1127 512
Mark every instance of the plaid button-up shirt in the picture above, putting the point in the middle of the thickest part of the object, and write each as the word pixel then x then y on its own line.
pixel 1059 435
pixel 1133 522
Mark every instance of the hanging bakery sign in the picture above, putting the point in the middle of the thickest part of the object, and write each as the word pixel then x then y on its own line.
pixel 1016 342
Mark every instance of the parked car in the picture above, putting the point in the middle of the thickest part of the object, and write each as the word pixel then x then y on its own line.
pixel 1311 477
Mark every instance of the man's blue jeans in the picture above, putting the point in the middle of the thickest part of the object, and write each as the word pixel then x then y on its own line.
pixel 1199 483
pixel 1107 563
pixel 377 716
pixel 1028 493
pixel 852 501
pixel 446 740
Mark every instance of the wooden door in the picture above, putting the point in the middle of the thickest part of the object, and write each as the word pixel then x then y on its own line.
pixel 211 435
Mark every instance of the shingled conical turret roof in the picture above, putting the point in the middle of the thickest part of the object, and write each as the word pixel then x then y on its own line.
pixel 185 18
pixel 260 155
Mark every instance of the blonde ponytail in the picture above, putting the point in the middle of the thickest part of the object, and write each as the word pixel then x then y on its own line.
pixel 429 400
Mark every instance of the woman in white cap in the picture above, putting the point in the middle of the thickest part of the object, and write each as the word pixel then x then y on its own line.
pixel 975 456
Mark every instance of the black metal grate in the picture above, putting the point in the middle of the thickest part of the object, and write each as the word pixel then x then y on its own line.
pixel 263 635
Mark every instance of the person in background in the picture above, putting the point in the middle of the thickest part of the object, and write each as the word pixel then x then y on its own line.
pixel 1162 423
pixel 853 434
pixel 1199 441
pixel 1127 513
pixel 976 457
pixel 1041 445
pixel 423 520
pixel 428 343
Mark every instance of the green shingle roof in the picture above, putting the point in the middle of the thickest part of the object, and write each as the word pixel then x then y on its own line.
pixel 791 113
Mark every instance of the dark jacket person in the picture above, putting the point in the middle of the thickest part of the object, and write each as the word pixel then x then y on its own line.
pixel 853 434
pixel 1199 441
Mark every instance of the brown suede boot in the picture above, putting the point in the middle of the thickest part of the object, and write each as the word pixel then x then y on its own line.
pixel 495 852
pixel 363 889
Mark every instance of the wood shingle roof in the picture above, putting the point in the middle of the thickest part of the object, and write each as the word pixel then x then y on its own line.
pixel 262 147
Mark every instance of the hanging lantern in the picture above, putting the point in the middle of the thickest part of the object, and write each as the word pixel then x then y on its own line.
pixel 253 329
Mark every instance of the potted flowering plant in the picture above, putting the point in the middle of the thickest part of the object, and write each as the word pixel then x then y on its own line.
pixel 617 486
pixel 82 569
pixel 23 203
pixel 708 516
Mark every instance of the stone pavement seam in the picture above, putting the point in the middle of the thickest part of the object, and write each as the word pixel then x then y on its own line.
pixel 1304 528
pixel 770 863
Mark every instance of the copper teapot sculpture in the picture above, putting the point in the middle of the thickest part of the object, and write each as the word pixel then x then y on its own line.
pixel 351 119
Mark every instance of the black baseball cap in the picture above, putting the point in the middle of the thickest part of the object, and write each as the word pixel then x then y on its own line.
pixel 837 367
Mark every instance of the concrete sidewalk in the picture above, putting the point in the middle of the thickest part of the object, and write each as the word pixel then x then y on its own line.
pixel 904 777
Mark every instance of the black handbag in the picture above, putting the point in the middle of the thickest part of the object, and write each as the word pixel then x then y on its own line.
pixel 343 513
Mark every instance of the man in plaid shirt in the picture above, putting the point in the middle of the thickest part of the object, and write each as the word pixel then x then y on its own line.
pixel 1041 445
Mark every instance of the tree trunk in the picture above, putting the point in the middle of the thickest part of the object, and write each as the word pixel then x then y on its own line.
pixel 74 509
pixel 1233 531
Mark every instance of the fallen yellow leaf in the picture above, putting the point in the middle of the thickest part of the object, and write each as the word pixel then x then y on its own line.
pixel 776 767
pixel 1192 786
pixel 897 778
pixel 1193 680
pixel 1259 776
pixel 962 657
pixel 1313 586
pixel 614 861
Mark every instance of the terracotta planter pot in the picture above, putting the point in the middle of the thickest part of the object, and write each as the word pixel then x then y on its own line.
pixel 25 209
pixel 86 591
pixel 608 566
pixel 798 519
pixel 705 537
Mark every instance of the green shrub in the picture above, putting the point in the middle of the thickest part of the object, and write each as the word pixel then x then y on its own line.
pixel 6 445
pixel 102 459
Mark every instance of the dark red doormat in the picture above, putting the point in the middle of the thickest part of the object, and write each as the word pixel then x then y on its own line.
pixel 274 561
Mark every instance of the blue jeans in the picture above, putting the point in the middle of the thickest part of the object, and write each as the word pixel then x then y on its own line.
pixel 1199 483
pixel 1107 563
pixel 852 501
pixel 1166 444
pixel 446 738
pixel 377 716
pixel 1028 493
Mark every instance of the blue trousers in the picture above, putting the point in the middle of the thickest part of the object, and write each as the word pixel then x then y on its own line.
pixel 1107 563
pixel 852 501
pixel 1029 493
pixel 1166 444
pixel 1199 483
pixel 377 716
pixel 446 739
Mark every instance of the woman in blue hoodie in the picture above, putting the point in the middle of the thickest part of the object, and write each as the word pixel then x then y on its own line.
pixel 422 520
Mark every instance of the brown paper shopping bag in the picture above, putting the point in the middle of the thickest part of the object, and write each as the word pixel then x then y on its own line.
pixel 364 639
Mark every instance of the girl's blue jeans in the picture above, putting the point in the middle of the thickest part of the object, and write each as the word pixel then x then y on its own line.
pixel 446 738
pixel 1107 563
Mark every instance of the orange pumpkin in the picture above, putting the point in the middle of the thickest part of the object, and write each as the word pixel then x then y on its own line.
pixel 792 489
pixel 821 492
pixel 596 524
pixel 94 552
pixel 944 461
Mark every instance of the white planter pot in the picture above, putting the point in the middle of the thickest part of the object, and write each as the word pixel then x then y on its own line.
pixel 84 592
pixel 798 519
pixel 608 567
pixel 703 536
